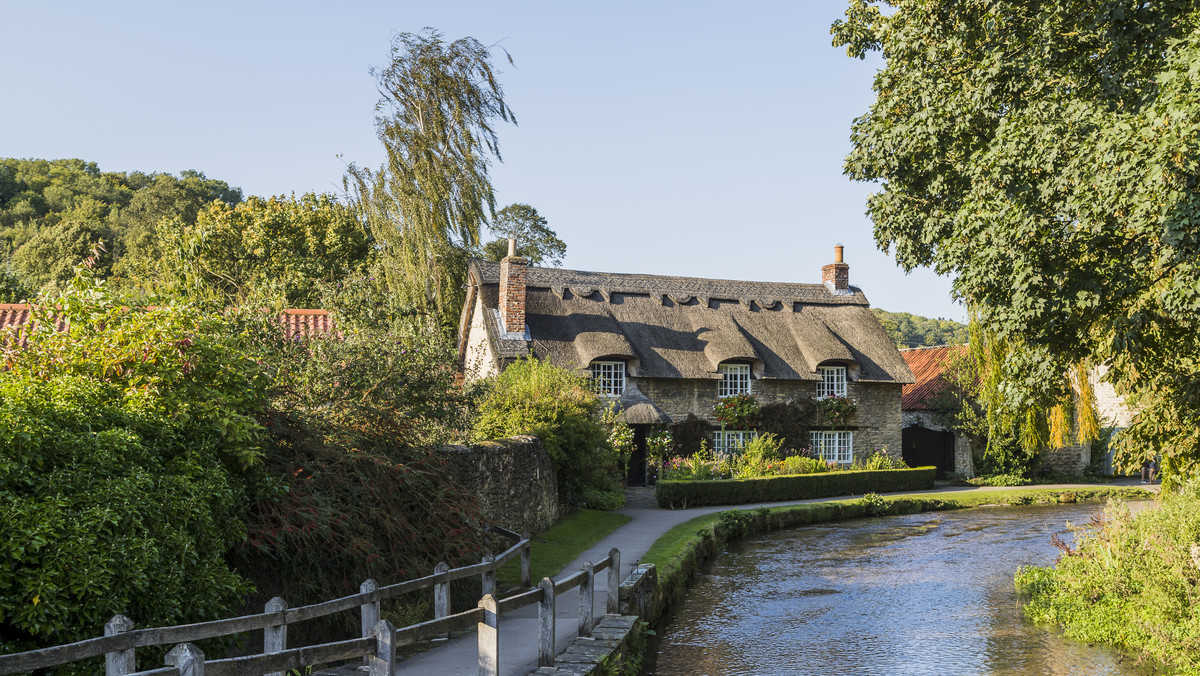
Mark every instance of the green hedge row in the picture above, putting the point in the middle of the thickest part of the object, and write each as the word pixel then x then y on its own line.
pixel 682 494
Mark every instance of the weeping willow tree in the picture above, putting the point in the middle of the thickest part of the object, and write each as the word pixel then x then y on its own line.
pixel 439 107
pixel 1022 421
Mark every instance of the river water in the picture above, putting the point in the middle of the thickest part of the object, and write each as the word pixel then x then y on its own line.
pixel 921 594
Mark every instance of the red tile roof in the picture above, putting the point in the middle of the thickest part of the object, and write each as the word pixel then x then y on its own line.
pixel 296 323
pixel 927 364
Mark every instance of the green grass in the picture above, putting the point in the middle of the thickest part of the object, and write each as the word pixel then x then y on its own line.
pixel 677 547
pixel 561 545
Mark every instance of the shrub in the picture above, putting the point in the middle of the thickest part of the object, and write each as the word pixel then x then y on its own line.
pixel 674 493
pixel 802 464
pixel 1000 480
pixel 535 397
pixel 129 447
pixel 1134 582
pixel 879 460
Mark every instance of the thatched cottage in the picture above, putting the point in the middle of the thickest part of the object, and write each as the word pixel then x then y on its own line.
pixel 665 347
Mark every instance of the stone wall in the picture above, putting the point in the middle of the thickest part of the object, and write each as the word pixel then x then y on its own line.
pixel 514 479
pixel 876 425
pixel 1069 460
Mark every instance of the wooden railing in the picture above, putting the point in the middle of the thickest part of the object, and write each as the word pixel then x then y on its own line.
pixel 379 638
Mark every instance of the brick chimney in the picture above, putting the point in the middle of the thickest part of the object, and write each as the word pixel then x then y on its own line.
pixel 512 290
pixel 836 275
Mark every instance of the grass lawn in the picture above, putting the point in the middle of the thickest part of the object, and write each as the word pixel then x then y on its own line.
pixel 561 544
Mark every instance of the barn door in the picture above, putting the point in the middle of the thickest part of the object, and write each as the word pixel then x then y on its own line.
pixel 922 447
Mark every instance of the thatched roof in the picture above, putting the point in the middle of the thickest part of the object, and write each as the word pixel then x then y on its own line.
pixel 683 327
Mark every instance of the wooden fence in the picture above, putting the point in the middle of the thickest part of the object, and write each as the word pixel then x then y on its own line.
pixel 379 638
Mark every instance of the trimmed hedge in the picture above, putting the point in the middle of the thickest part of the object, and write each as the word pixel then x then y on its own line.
pixel 683 494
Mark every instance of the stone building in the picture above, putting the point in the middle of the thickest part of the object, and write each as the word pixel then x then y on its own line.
pixel 925 440
pixel 666 347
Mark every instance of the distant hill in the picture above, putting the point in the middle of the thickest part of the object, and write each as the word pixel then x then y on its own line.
pixel 909 330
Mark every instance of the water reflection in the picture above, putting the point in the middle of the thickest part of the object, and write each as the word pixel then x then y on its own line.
pixel 921 594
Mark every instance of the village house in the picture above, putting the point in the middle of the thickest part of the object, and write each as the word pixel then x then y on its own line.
pixel 666 347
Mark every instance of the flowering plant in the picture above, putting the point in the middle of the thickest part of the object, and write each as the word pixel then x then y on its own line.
pixel 738 412
pixel 836 410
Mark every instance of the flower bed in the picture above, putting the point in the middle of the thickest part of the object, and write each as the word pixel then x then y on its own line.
pixel 680 494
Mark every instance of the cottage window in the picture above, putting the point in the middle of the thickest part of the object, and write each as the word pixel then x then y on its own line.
pixel 609 378
pixel 834 446
pixel 728 442
pixel 735 379
pixel 833 381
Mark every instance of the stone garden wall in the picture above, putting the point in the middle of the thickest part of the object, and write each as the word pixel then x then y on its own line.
pixel 514 479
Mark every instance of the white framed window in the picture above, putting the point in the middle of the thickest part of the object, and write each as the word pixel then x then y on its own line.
pixel 735 379
pixel 834 446
pixel 609 377
pixel 833 381
pixel 731 442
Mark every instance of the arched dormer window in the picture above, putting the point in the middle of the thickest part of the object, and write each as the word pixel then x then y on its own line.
pixel 735 379
pixel 833 381
pixel 609 378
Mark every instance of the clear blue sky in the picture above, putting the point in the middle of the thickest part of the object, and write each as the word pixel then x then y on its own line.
pixel 683 138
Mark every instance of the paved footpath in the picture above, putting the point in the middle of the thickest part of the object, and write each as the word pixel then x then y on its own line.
pixel 519 630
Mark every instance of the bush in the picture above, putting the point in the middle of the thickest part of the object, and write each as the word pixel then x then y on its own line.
pixel 879 460
pixel 1000 480
pixel 674 494
pixel 535 397
pixel 1134 582
pixel 128 451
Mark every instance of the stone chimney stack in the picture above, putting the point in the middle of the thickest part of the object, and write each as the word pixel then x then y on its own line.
pixel 836 275
pixel 512 290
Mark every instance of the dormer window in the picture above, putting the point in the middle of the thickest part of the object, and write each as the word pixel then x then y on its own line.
pixel 735 379
pixel 609 378
pixel 833 381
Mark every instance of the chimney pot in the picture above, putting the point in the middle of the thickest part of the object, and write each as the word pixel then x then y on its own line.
pixel 512 246
pixel 837 252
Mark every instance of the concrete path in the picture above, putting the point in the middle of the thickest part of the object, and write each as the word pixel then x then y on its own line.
pixel 519 630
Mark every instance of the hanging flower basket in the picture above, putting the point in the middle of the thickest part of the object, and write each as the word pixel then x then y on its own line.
pixel 739 412
pixel 837 411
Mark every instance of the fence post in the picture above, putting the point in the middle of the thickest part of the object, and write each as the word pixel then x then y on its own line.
pixel 586 600
pixel 369 611
pixel 526 575
pixel 441 593
pixel 275 636
pixel 546 624
pixel 614 582
pixel 383 661
pixel 489 637
pixel 488 579
pixel 120 662
pixel 187 658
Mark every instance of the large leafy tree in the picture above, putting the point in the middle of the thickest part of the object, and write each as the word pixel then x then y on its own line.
pixel 535 240
pixel 436 118
pixel 1046 154
pixel 280 249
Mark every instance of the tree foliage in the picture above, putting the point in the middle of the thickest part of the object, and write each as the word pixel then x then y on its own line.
pixel 1046 154
pixel 425 206
pixel 280 248
pixel 535 240
pixel 62 207
pixel 909 330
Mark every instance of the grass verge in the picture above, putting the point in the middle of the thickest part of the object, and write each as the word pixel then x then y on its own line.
pixel 681 552
pixel 561 545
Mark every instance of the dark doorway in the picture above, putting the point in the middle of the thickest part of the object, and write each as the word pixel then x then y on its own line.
pixel 922 447
pixel 636 474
